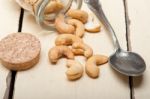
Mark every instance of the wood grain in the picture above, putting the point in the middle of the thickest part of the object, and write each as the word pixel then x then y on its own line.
pixel 47 81
pixel 139 39
pixel 9 18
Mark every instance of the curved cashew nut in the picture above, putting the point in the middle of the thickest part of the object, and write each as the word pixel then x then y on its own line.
pixel 58 51
pixel 75 70
pixel 79 27
pixel 78 14
pixel 53 7
pixel 67 39
pixel 62 27
pixel 92 26
pixel 91 65
pixel 88 52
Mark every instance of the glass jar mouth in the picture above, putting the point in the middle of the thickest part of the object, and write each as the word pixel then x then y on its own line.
pixel 40 16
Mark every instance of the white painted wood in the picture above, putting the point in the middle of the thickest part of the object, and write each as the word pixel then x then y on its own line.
pixel 9 15
pixel 47 81
pixel 140 38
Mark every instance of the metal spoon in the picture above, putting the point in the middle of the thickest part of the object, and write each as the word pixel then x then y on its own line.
pixel 127 63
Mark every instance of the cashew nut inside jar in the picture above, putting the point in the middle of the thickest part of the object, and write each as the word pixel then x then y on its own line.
pixel 45 11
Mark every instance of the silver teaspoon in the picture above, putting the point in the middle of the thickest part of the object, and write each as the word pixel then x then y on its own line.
pixel 127 63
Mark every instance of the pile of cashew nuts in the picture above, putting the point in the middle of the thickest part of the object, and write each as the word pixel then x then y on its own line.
pixel 69 43
pixel 71 27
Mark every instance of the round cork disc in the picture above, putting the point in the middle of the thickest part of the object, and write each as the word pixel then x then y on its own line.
pixel 19 51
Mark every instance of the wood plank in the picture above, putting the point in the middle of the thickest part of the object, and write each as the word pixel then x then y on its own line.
pixel 139 37
pixel 9 18
pixel 47 81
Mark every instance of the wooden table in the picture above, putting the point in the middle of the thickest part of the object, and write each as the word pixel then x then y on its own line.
pixel 47 81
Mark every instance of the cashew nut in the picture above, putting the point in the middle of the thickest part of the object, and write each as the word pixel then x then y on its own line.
pixel 62 27
pixel 78 14
pixel 88 52
pixel 91 65
pixel 53 7
pixel 93 25
pixel 75 70
pixel 78 51
pixel 58 51
pixel 94 29
pixel 67 39
pixel 79 27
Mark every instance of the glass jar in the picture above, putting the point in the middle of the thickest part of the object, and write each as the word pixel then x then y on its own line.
pixel 45 11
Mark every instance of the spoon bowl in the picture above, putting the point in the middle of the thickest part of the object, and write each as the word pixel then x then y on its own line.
pixel 127 63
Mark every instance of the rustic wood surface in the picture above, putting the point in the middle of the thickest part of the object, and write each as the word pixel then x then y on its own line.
pixel 47 81
pixel 9 17
pixel 140 38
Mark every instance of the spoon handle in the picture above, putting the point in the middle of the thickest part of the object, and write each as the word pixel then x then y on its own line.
pixel 96 7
